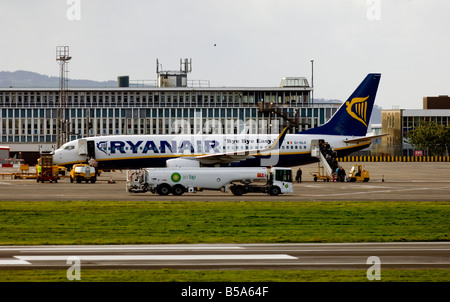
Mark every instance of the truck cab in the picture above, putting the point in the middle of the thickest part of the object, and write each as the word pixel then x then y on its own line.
pixel 280 181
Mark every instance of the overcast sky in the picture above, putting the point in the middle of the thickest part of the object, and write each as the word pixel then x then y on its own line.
pixel 240 42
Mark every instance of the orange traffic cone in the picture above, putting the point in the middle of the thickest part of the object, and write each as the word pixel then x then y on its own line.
pixel 111 181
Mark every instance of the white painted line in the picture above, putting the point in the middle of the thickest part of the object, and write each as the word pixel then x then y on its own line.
pixel 157 257
pixel 369 192
pixel 13 262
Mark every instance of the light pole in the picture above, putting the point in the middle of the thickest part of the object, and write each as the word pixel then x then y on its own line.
pixel 312 81
pixel 62 57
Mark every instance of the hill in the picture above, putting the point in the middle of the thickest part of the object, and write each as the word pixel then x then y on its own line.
pixel 28 79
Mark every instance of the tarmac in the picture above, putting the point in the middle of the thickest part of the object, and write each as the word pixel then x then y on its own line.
pixel 389 181
pixel 287 256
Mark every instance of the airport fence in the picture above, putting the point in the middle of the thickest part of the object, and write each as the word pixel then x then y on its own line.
pixel 391 158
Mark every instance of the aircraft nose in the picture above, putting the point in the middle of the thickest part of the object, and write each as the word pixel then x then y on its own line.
pixel 57 157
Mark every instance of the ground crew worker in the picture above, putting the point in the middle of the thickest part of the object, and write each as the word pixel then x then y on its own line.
pixel 299 175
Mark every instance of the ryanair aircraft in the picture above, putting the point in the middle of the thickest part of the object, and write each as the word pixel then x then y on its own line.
pixel 345 132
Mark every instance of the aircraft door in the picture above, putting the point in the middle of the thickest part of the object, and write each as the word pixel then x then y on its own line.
pixel 91 149
pixel 82 147
pixel 315 147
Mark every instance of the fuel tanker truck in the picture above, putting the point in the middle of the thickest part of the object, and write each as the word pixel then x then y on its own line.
pixel 237 180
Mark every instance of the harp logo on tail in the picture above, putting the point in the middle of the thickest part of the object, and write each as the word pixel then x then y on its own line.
pixel 357 108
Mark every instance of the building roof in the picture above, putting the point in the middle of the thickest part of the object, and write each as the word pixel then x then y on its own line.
pixel 426 112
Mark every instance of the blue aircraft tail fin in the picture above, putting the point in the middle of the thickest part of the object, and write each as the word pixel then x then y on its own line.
pixel 353 116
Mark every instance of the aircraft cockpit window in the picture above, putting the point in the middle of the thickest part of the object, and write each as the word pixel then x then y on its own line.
pixel 69 147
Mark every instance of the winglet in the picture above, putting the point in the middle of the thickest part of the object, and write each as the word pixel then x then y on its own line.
pixel 279 141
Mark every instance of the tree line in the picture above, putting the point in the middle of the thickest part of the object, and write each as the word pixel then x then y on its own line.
pixel 430 136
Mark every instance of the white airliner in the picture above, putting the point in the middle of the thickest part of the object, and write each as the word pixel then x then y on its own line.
pixel 346 132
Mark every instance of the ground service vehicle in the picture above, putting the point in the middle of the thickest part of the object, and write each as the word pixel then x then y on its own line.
pixel 358 173
pixel 239 181
pixel 46 170
pixel 83 172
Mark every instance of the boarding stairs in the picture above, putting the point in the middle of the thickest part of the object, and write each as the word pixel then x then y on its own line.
pixel 325 171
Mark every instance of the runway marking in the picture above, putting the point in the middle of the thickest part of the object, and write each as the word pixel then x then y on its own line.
pixel 371 192
pixel 157 257
pixel 13 262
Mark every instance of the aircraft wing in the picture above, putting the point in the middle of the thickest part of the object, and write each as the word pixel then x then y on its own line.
pixel 365 138
pixel 237 156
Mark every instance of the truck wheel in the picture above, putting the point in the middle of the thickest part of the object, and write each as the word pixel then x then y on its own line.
pixel 274 190
pixel 178 190
pixel 164 189
pixel 366 179
pixel 93 180
pixel 238 190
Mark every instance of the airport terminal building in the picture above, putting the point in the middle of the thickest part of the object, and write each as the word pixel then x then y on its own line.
pixel 29 117
pixel 397 122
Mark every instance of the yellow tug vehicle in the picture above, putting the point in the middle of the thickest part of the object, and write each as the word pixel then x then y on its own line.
pixel 358 173
pixel 83 172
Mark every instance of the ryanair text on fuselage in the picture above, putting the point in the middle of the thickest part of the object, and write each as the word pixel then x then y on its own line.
pixel 173 146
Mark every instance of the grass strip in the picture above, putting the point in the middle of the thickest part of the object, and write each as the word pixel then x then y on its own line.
pixel 123 222
pixel 167 275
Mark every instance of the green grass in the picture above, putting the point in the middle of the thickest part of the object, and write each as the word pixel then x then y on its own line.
pixel 167 275
pixel 121 222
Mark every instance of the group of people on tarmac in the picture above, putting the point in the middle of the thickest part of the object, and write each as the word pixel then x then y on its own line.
pixel 339 174
pixel 330 155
